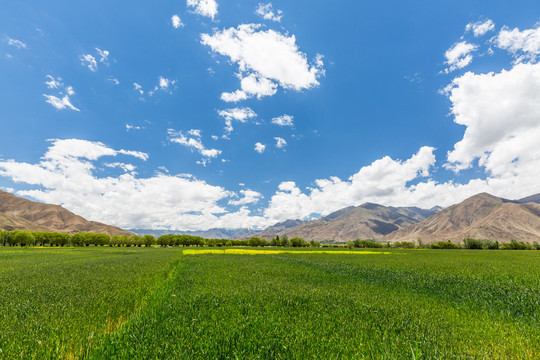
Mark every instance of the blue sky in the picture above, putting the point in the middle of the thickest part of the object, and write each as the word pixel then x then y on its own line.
pixel 206 113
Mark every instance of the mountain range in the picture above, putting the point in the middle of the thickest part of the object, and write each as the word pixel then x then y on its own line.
pixel 482 216
pixel 367 221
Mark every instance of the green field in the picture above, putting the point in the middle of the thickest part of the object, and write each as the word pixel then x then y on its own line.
pixel 157 303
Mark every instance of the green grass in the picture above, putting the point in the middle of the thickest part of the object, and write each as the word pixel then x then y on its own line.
pixel 424 304
pixel 56 303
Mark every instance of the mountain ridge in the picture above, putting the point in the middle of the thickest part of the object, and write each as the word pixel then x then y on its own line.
pixel 23 214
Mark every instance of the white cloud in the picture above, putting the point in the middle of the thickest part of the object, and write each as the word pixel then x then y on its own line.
pixel 459 56
pixel 16 43
pixel 62 100
pixel 249 197
pixel 524 45
pixel 283 120
pixel 165 83
pixel 53 83
pixel 252 86
pixel 194 143
pixel 114 80
pixel 236 114
pixel 90 61
pixel 132 127
pixel 123 166
pixel 176 21
pixel 265 58
pixel 260 147
pixel 60 103
pixel 208 8
pixel 480 28
pixel 280 142
pixel 103 56
pixel 138 88
pixel 500 112
pixel 383 180
pixel 266 11
pixel 67 175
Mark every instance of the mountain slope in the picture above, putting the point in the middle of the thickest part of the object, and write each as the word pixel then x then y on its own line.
pixel 367 221
pixel 9 222
pixel 482 216
pixel 52 217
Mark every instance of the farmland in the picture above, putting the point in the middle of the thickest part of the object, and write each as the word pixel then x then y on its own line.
pixel 124 303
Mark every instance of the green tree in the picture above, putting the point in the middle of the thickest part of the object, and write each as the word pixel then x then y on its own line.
pixel 149 240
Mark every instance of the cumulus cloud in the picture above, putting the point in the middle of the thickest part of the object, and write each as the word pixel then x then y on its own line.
pixel 265 59
pixel 260 147
pixel 459 56
pixel 236 114
pixel 251 86
pixel 16 43
pixel 524 45
pixel 194 142
pixel 248 197
pixel 66 175
pixel 123 166
pixel 266 11
pixel 208 8
pixel 480 28
pixel 280 142
pixel 500 112
pixel 176 21
pixel 283 120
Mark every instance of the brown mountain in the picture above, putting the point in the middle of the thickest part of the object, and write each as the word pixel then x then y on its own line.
pixel 482 216
pixel 367 221
pixel 22 214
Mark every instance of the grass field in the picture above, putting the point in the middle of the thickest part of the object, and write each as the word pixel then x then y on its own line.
pixel 109 303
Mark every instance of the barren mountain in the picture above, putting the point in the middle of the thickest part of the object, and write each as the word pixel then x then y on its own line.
pixel 30 215
pixel 482 216
pixel 367 221
pixel 9 222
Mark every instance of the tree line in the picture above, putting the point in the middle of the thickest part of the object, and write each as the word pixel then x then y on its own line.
pixel 43 238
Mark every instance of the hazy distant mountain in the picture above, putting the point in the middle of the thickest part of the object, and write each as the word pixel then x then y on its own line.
pixel 482 216
pixel 208 234
pixel 530 199
pixel 23 214
pixel 367 221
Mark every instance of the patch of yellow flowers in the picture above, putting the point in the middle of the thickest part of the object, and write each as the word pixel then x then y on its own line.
pixel 271 252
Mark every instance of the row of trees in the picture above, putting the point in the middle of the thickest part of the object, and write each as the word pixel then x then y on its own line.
pixel 41 238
